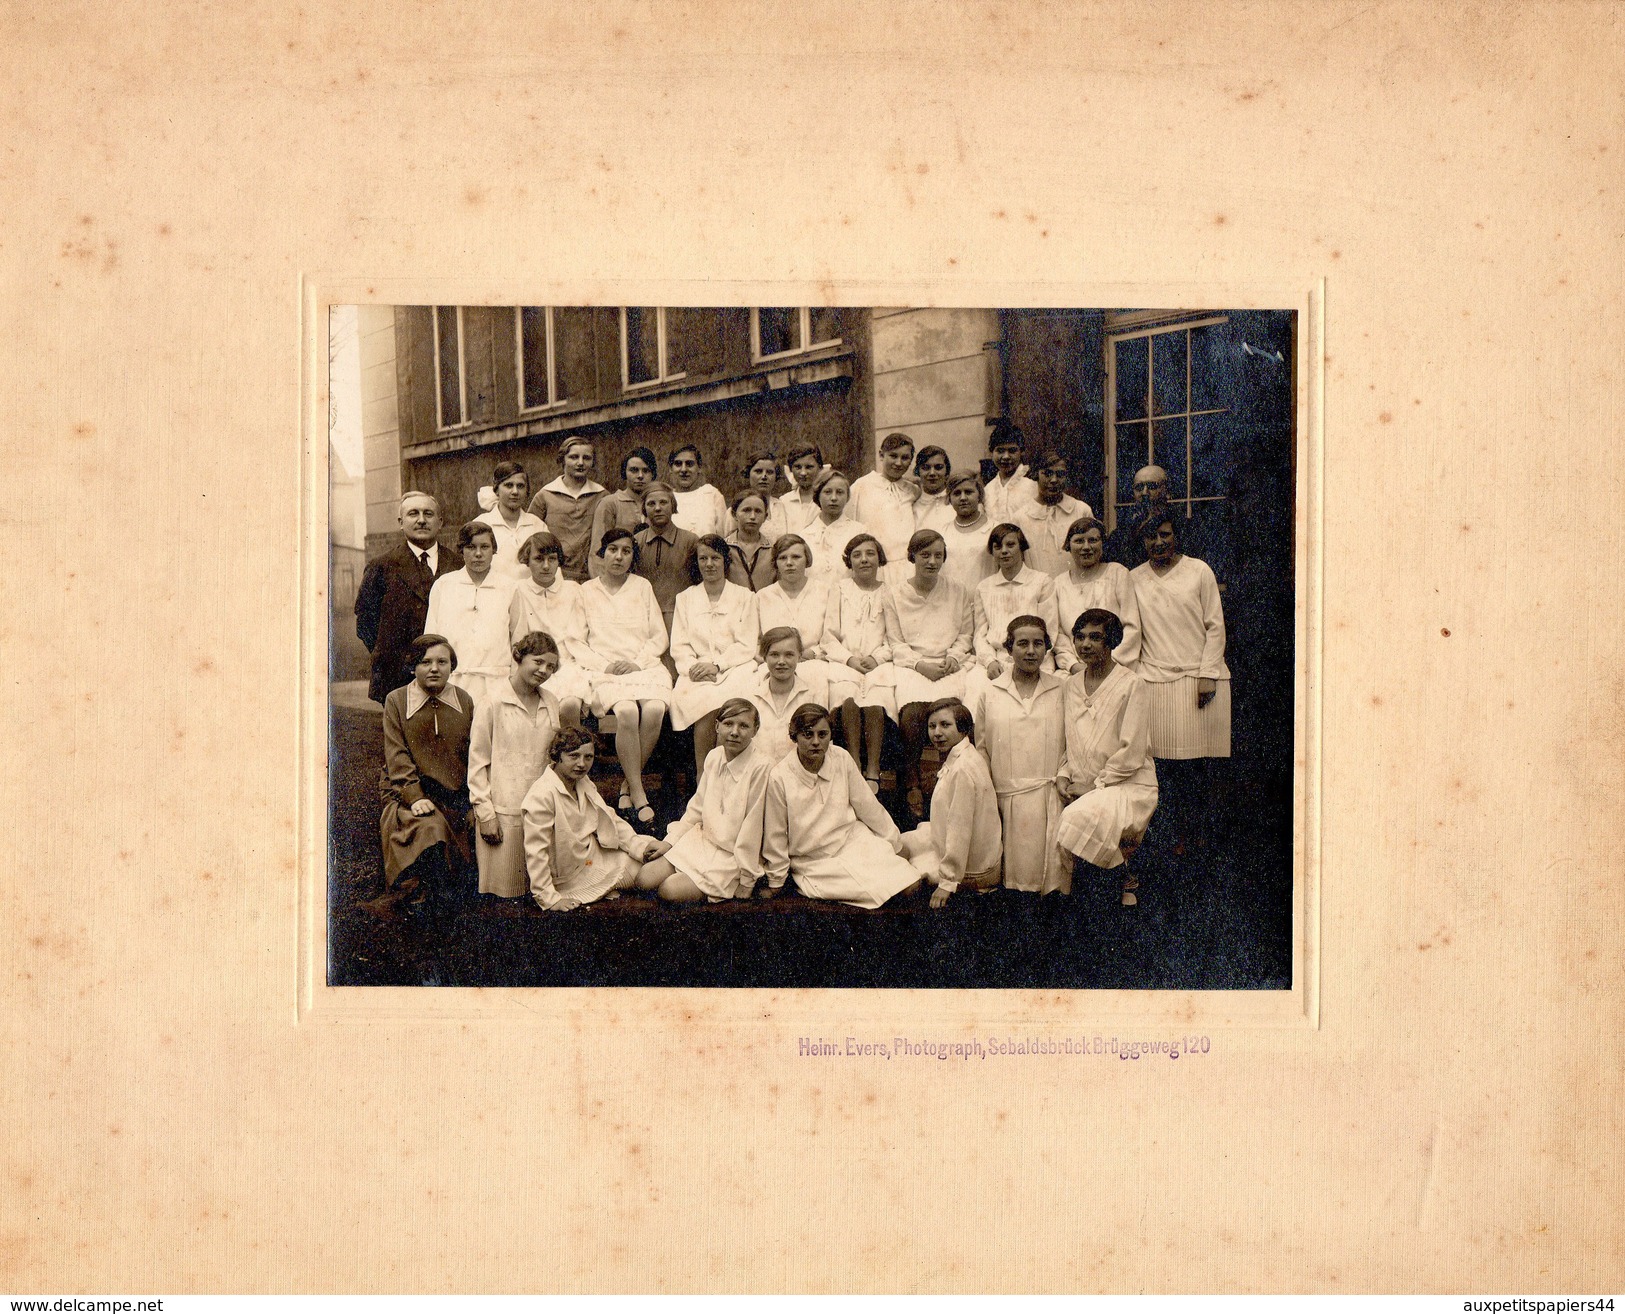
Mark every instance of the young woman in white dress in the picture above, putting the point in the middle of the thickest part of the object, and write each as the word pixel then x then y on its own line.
pixel 962 842
pixel 1182 642
pixel 969 561
pixel 507 753
pixel 1091 581
pixel 1013 589
pixel 929 628
pixel 510 522
pixel 548 602
pixel 713 641
pixel 716 845
pixel 932 469
pixel 858 643
pixel 577 850
pixel 1020 726
pixel 782 685
pixel 828 534
pixel 626 638
pixel 801 602
pixel 821 824
pixel 470 607
pixel 1107 780
pixel 803 464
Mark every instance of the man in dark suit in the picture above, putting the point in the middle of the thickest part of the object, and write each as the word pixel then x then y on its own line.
pixel 393 600
pixel 1151 490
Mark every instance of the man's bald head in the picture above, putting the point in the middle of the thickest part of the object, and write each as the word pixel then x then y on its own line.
pixel 1150 484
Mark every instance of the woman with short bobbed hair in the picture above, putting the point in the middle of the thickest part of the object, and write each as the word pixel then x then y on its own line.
pixel 857 645
pixel 832 529
pixel 470 607
pixel 713 643
pixel 783 684
pixel 1013 589
pixel 1092 581
pixel 623 509
pixel 511 524
pixel 965 536
pixel 750 553
pixel 548 602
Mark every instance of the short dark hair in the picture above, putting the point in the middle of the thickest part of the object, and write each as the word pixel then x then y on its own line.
pixel 804 449
pixel 930 452
pixel 568 739
pixel 1002 530
pixel 419 646
pixel 963 719
pixel 755 458
pixel 1107 620
pixel 712 542
pixel 507 470
pixel 922 539
pixel 778 634
pixel 857 541
pixel 541 543
pixel 643 454
pixel 472 530
pixel 1026 623
pixel 1082 526
pixel 615 536
pixel 536 643
pixel 734 706
pixel 1046 458
pixel 894 440
pixel 805 717
pixel 699 456
pixel 1156 514
pixel 1005 433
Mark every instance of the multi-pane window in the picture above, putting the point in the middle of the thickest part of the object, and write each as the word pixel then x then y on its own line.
pixel 645 347
pixel 538 365
pixel 452 392
pixel 1166 409
pixel 784 330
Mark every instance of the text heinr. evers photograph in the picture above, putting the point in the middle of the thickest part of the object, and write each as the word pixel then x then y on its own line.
pixel 811 647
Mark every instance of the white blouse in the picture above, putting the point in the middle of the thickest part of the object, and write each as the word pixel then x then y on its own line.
pixel 933 625
pixel 999 601
pixel 556 611
pixel 805 611
pixel 509 540
pixel 1181 622
pixel 474 617
pixel 622 626
pixel 1108 732
pixel 727 805
pixel 1107 586
pixel 969 562
pixel 701 510
pixel 828 543
pixel 887 507
pixel 507 750
pixel 720 630
pixel 1045 527
pixel 775 711
pixel 855 624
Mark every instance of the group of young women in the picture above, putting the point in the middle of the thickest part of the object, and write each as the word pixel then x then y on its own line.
pixel 1045 696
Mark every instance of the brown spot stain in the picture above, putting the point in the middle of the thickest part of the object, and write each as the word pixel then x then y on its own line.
pixel 1387 417
pixel 474 195
pixel 209 875
pixel 1445 633
pixel 1220 220
pixel 84 429
pixel 922 168
pixel 1376 700
pixel 1337 255
pixel 205 665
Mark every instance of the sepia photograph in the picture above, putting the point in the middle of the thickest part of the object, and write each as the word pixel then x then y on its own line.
pixel 811 646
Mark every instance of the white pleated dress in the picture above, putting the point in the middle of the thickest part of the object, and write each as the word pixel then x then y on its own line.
pixel 1108 756
pixel 717 842
pixel 1181 642
pixel 624 625
pixel 855 626
pixel 557 612
pixel 931 626
pixel 474 617
pixel 722 631
pixel 830 832
pixel 1024 740
pixel 507 753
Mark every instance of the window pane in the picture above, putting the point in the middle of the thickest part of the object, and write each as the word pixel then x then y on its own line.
pixel 642 344
pixel 1210 364
pixel 1168 372
pixel 451 355
pixel 533 355
pixel 573 363
pixel 1210 455
pixel 780 329
pixel 1131 455
pixel 826 325
pixel 1168 451
pixel 1131 358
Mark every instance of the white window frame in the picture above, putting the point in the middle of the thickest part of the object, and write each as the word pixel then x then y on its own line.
pixel 663 373
pixel 553 398
pixel 462 372
pixel 1151 417
pixel 805 324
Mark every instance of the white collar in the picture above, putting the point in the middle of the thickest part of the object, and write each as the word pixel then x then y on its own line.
pixel 505 694
pixel 558 486
pixel 416 699
pixel 1006 680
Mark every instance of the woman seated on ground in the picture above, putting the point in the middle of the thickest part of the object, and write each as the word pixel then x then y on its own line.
pixel 857 634
pixel 1092 581
pixel 827 536
pixel 576 849
pixel 750 554
pixel 548 602
pixel 1013 589
pixel 716 845
pixel 822 825
pixel 782 685
pixel 424 824
pixel 1107 779
pixel 929 627
pixel 961 843
pixel 507 753
pixel 1019 727
pixel 470 607
pixel 713 642
pixel 624 644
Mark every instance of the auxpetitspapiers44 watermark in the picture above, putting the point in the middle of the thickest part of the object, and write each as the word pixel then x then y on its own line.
pixel 1126 1048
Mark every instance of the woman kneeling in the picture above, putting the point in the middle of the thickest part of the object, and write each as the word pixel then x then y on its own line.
pixel 576 849
pixel 823 825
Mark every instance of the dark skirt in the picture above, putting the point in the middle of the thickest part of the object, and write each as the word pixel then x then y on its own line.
pixel 406 837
